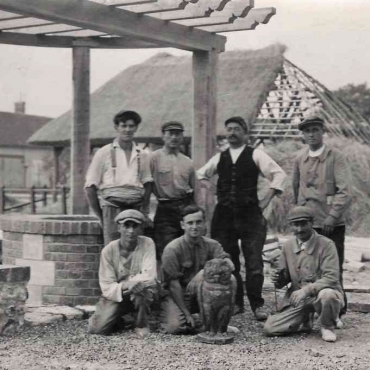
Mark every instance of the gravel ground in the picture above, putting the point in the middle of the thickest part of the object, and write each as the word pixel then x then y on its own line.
pixel 66 345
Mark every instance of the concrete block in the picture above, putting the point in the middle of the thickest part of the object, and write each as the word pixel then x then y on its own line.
pixel 33 246
pixel 354 266
pixel 34 294
pixel 88 310
pixel 357 288
pixel 69 313
pixel 37 319
pixel 14 274
pixel 42 272
pixel 359 302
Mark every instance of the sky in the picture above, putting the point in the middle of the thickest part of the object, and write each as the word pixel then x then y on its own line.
pixel 329 39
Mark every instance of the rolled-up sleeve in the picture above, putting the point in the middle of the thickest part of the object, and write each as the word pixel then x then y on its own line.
pixel 209 169
pixel 110 288
pixel 270 170
pixel 95 172
pixel 146 173
pixel 149 264
pixel 170 264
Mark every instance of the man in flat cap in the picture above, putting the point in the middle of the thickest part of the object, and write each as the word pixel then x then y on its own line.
pixel 309 261
pixel 238 214
pixel 119 176
pixel 175 185
pixel 127 277
pixel 322 181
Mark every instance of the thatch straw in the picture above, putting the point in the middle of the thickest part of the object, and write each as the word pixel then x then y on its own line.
pixel 160 89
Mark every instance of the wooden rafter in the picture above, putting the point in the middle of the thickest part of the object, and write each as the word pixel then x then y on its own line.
pixel 198 9
pixel 116 3
pixel 160 6
pixel 233 10
pixel 114 21
pixel 250 22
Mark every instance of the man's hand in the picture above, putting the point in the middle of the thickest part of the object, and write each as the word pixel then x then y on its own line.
pixel 297 297
pixel 148 222
pixel 190 320
pixel 329 225
pixel 275 277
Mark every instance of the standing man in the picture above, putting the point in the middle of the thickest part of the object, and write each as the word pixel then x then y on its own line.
pixel 238 214
pixel 322 181
pixel 182 260
pixel 175 185
pixel 119 176
pixel 310 263
pixel 127 276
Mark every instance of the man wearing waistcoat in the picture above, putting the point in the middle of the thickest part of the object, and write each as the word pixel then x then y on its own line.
pixel 119 176
pixel 238 214
pixel 322 181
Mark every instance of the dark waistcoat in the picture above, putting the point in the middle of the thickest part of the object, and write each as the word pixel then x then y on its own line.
pixel 237 183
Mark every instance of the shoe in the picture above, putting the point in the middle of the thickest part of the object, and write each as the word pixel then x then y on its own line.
pixel 238 309
pixel 142 332
pixel 260 314
pixel 338 324
pixel 327 335
pixel 307 325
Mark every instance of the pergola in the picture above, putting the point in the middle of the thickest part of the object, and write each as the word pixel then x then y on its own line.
pixel 191 25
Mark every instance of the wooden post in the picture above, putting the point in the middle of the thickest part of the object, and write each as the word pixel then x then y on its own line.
pixel 80 140
pixel 32 200
pixel 2 200
pixel 205 106
pixel 45 197
pixel 56 179
pixel 64 200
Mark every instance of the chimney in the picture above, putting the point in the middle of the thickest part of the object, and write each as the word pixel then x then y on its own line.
pixel 20 107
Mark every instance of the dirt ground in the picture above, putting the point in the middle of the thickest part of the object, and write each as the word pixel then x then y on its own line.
pixel 66 346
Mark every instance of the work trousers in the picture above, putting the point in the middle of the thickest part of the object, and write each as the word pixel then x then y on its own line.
pixel 167 223
pixel 338 236
pixel 108 314
pixel 327 304
pixel 248 225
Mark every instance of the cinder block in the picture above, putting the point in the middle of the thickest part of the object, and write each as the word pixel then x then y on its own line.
pixel 14 274
pixel 42 272
pixel 33 247
pixel 34 294
pixel 54 290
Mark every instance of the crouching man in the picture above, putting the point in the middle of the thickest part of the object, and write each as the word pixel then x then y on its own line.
pixel 127 276
pixel 310 263
pixel 182 262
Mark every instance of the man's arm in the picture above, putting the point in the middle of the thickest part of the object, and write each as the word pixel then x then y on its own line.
pixel 93 200
pixel 209 169
pixel 148 187
pixel 195 185
pixel 295 180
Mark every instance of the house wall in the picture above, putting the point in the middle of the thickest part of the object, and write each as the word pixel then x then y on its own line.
pixel 25 166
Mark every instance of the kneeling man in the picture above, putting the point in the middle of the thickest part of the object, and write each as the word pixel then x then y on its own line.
pixel 310 263
pixel 127 276
pixel 182 262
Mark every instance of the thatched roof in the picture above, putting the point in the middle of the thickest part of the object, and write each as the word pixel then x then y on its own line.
pixel 160 89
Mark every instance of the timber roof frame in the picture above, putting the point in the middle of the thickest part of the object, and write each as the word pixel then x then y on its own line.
pixel 191 25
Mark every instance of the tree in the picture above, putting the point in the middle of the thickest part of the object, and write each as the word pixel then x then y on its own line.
pixel 357 96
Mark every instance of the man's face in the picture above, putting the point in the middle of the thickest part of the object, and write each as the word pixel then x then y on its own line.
pixel 173 139
pixel 130 231
pixel 313 136
pixel 193 225
pixel 302 229
pixel 126 130
pixel 235 133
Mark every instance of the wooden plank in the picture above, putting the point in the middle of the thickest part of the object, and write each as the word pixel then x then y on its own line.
pixel 89 15
pixel 12 24
pixel 116 3
pixel 160 6
pixel 250 22
pixel 80 141
pixel 232 10
pixel 205 110
pixel 46 29
pixel 7 15
pixel 12 38
pixel 194 10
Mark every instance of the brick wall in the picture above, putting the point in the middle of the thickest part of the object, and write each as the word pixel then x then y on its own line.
pixel 63 256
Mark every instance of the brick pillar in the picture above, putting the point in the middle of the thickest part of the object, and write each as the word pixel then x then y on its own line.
pixel 13 294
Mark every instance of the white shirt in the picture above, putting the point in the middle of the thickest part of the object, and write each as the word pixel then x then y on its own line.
pixel 316 153
pixel 267 166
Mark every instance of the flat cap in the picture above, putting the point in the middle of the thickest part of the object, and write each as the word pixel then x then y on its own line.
pixel 239 120
pixel 130 215
pixel 312 120
pixel 125 115
pixel 299 213
pixel 172 125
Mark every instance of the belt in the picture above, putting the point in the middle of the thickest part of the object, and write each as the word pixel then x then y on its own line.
pixel 174 201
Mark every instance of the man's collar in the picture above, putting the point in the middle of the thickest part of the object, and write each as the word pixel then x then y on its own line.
pixel 309 244
pixel 134 146
pixel 321 157
pixel 191 244
pixel 167 151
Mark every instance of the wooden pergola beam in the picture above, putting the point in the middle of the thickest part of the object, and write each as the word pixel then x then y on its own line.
pixel 115 21
pixel 12 38
pixel 160 6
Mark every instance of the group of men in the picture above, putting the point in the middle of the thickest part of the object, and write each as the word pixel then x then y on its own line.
pixel 121 179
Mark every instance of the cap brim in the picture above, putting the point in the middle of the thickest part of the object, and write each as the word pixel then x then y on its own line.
pixel 129 219
pixel 301 219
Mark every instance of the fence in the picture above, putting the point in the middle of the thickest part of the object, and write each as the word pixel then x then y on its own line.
pixel 34 199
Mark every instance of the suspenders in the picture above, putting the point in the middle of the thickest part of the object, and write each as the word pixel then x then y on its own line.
pixel 113 158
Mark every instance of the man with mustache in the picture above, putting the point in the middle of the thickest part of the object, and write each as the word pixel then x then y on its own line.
pixel 310 263
pixel 175 185
pixel 322 181
pixel 238 214
pixel 119 176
